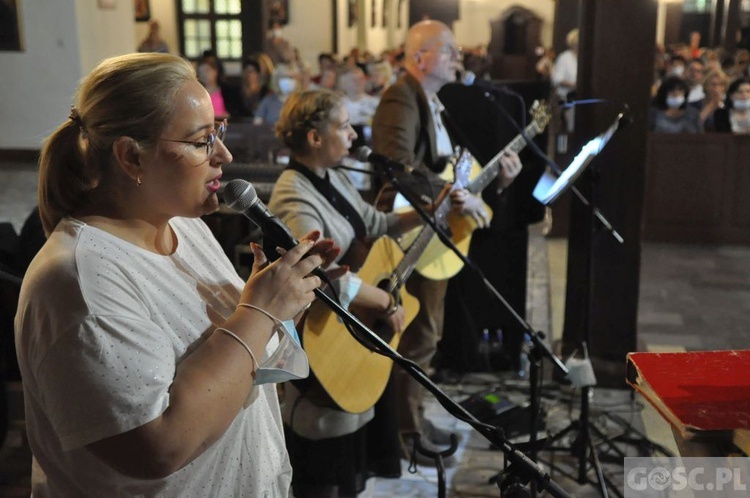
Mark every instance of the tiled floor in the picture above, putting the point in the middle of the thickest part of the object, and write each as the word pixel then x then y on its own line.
pixel 692 297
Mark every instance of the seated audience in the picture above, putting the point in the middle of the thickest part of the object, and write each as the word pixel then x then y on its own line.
pixel 670 112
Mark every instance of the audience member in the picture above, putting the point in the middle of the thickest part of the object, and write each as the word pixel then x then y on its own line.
pixel 564 79
pixel 361 109
pixel 694 75
pixel 670 112
pixel 224 96
pixel 715 89
pixel 735 116
pixel 283 83
pixel 695 45
pixel 253 89
pixel 328 79
pixel 141 349
pixel 379 77
pixel 741 64
pixel 546 63
pixel 325 61
pixel 153 41
pixel 565 72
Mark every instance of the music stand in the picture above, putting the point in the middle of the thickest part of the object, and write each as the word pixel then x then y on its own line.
pixel 549 188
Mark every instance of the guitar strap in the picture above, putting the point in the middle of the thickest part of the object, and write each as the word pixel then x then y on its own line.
pixel 358 248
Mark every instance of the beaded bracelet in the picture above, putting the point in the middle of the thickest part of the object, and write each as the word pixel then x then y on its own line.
pixel 256 308
pixel 242 343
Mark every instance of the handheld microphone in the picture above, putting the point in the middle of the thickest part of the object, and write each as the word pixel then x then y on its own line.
pixel 366 155
pixel 240 195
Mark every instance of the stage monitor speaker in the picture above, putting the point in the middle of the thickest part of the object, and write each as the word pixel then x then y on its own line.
pixel 493 407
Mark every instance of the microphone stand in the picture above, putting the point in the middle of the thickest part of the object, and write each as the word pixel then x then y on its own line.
pixel 539 348
pixel 524 467
pixel 521 469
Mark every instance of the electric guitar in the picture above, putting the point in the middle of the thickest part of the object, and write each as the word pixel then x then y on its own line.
pixel 439 262
pixel 352 375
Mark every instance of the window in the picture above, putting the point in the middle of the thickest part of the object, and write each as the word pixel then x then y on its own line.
pixel 211 24
pixel 698 6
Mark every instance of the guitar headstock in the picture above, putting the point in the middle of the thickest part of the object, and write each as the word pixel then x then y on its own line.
pixel 541 114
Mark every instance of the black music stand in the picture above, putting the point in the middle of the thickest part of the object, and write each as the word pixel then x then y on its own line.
pixel 548 190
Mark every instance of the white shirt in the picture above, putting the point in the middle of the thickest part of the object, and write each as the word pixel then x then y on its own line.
pixel 444 145
pixel 566 69
pixel 696 93
pixel 100 361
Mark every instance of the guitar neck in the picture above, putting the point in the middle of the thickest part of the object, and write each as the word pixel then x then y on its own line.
pixel 415 250
pixel 492 169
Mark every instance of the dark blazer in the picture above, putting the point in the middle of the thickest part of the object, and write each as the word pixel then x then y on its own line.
pixel 402 127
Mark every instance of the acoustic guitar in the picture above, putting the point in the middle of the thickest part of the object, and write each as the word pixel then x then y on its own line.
pixel 439 262
pixel 352 375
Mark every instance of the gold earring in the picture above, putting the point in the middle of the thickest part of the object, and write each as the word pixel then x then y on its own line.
pixel 138 180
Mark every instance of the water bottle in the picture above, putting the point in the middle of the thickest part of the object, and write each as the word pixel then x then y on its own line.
pixel 484 351
pixel 524 362
pixel 496 351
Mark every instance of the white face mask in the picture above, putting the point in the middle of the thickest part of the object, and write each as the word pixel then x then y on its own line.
pixel 741 104
pixel 288 361
pixel 677 71
pixel 287 85
pixel 675 102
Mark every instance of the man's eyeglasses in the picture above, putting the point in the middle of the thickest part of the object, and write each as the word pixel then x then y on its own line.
pixel 450 50
pixel 219 131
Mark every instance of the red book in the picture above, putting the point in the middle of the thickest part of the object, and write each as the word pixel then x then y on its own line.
pixel 696 391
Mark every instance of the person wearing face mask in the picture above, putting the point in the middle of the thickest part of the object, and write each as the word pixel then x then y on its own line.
pixel 670 112
pixel 284 82
pixel 735 116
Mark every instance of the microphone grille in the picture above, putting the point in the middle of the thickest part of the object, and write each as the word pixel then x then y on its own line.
pixel 239 195
pixel 362 154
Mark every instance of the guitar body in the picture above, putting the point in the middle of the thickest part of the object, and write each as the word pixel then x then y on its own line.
pixel 352 375
pixel 438 261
